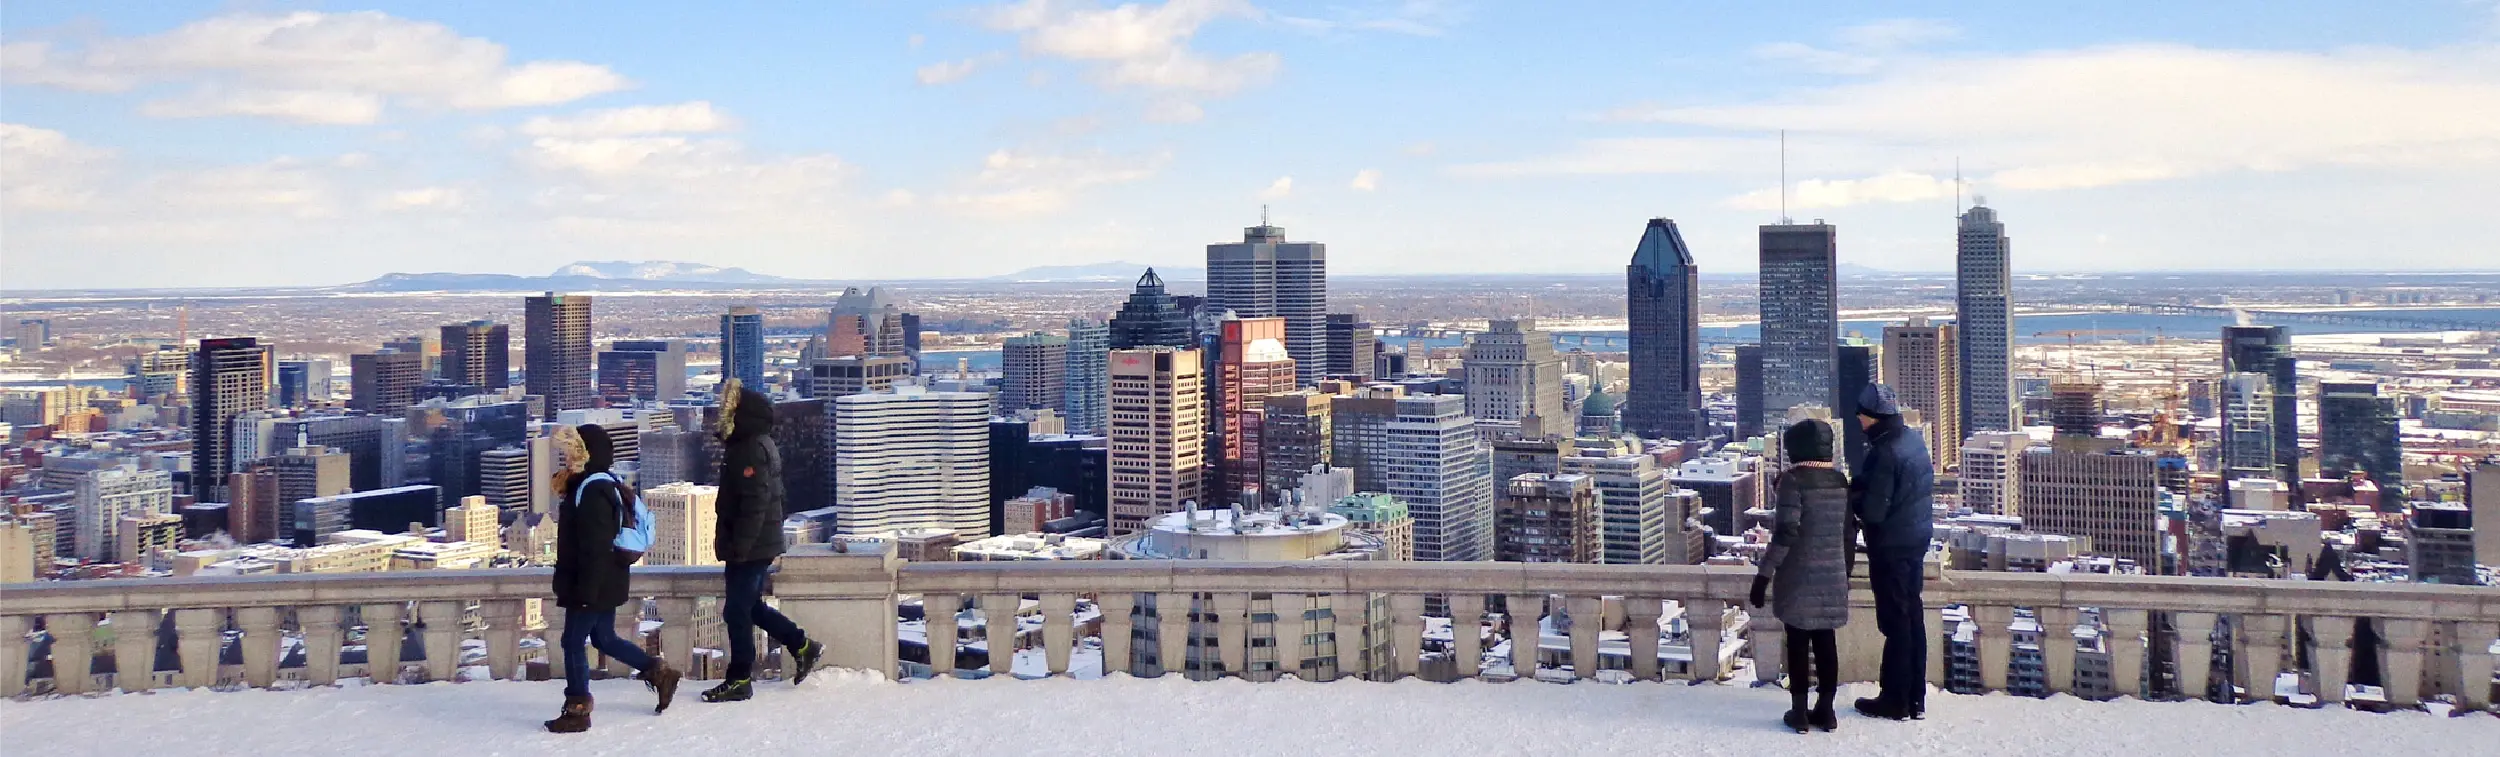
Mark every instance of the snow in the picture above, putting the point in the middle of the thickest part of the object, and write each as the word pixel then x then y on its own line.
pixel 841 712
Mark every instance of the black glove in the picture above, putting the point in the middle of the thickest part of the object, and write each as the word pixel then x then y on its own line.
pixel 1761 585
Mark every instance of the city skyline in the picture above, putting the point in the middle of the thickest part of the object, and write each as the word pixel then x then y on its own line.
pixel 215 147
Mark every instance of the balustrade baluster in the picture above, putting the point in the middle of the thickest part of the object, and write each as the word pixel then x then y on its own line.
pixel 1707 619
pixel 677 622
pixel 998 621
pixel 2472 647
pixel 14 650
pixel 1527 633
pixel 503 637
pixel 1406 633
pixel 2260 657
pixel 1640 631
pixel 1232 630
pixel 260 645
pixel 2330 655
pixel 1118 608
pixel 2195 648
pixel 1769 646
pixel 1351 614
pixel 1996 644
pixel 1172 632
pixel 442 637
pixel 320 626
pixel 73 651
pixel 2126 650
pixel 2057 647
pixel 134 649
pixel 2403 680
pixel 1058 631
pixel 199 636
pixel 383 637
pixel 1587 619
pixel 1293 631
pixel 937 619
pixel 1466 635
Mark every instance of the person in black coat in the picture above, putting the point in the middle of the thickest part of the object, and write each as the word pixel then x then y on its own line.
pixel 747 538
pixel 1892 494
pixel 592 578
pixel 1806 571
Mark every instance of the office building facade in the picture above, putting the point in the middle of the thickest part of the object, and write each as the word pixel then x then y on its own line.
pixel 1514 379
pixel 1547 518
pixel 1264 276
pixel 1157 434
pixel 2357 431
pixel 229 377
pixel 2267 351
pixel 1425 451
pixel 556 350
pixel 1088 375
pixel 1983 305
pixel 1151 318
pixel 1033 373
pixel 478 353
pixel 1922 364
pixel 635 371
pixel 1800 318
pixel 912 458
pixel 742 346
pixel 1663 305
pixel 1251 363
pixel 1353 349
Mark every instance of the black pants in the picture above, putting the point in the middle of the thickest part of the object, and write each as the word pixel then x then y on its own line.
pixel 742 608
pixel 1824 646
pixel 1902 617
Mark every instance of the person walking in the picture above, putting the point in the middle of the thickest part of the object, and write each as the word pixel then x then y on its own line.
pixel 747 539
pixel 1891 493
pixel 592 576
pixel 1806 571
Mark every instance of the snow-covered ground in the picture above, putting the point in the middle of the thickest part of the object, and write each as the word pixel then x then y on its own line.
pixel 851 714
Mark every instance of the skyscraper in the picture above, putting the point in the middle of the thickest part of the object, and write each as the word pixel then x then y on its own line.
pixel 836 377
pixel 1423 450
pixel 1088 375
pixel 2267 350
pixel 105 497
pixel 557 354
pixel 682 523
pixel 2482 500
pixel 2248 426
pixel 1251 364
pixel 1749 415
pixel 303 382
pixel 1514 379
pixel 2095 490
pixel 306 473
pixel 2075 407
pixel 384 383
pixel 1800 318
pixel 1151 318
pixel 2357 431
pixel 1852 372
pixel 742 346
pixel 912 458
pixel 478 354
pixel 1547 518
pixel 1991 474
pixel 1157 433
pixel 1264 276
pixel 1922 363
pixel 642 370
pixel 1984 313
pixel 1295 432
pixel 1639 521
pixel 1663 303
pixel 1033 373
pixel 1352 348
pixel 228 377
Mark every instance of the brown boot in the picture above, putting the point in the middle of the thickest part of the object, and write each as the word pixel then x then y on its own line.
pixel 575 718
pixel 662 679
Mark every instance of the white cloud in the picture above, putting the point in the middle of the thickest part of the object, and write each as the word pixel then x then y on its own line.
pixel 1135 45
pixel 2085 118
pixel 1818 59
pixel 1862 48
pixel 1814 194
pixel 949 72
pixel 1279 189
pixel 682 118
pixel 1015 183
pixel 1422 18
pixel 915 41
pixel 333 68
pixel 1175 112
pixel 1897 33
pixel 1365 180
pixel 423 198
pixel 47 171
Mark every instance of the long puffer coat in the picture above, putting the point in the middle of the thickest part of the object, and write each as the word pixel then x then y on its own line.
pixel 1808 562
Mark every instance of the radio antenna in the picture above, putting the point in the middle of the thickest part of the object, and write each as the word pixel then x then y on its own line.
pixel 1783 176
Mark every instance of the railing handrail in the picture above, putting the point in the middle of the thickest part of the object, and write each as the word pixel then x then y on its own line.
pixel 293 589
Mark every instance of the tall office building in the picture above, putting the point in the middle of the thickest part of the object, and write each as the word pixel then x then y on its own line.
pixel 1984 313
pixel 1663 303
pixel 557 352
pixel 1425 451
pixel 1800 318
pixel 107 496
pixel 1353 350
pixel 1295 432
pixel 1158 417
pixel 468 429
pixel 1749 415
pixel 2357 431
pixel 503 479
pixel 2075 407
pixel 682 523
pixel 2439 543
pixel 1514 379
pixel 857 374
pixel 1991 473
pixel 2267 350
pixel 478 354
pixel 1150 318
pixel 1251 363
pixel 303 382
pixel 2097 491
pixel 1728 484
pixel 1852 371
pixel 428 350
pixel 229 377
pixel 1264 276
pixel 803 433
pixel 1641 521
pixel 1546 518
pixel 476 521
pixel 2482 499
pixel 912 458
pixel 1033 373
pixel 742 345
pixel 643 370
pixel 1088 375
pixel 2248 426
pixel 1922 364
pixel 386 382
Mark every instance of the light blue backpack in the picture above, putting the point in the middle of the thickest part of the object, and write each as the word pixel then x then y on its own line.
pixel 633 534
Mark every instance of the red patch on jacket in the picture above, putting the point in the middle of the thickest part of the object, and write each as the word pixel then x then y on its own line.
pixel 750 472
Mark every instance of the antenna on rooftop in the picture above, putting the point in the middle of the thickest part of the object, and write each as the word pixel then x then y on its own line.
pixel 1783 176
pixel 1262 214
pixel 1957 187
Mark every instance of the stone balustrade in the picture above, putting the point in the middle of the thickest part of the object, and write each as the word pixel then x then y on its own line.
pixel 2226 639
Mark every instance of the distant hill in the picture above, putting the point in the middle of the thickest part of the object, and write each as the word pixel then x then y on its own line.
pixel 1112 271
pixel 583 276
pixel 662 270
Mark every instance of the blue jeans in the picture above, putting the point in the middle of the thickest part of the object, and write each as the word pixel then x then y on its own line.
pixel 1902 617
pixel 596 628
pixel 742 608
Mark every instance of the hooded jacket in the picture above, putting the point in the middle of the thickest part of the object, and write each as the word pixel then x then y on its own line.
pixel 749 508
pixel 589 575
pixel 1893 491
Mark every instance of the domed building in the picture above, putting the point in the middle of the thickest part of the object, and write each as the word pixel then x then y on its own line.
pixel 1598 417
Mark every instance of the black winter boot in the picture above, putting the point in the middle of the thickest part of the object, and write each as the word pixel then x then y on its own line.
pixel 575 718
pixel 731 691
pixel 804 659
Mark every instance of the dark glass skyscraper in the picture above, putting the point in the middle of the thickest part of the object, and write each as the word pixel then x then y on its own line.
pixel 1663 302
pixel 742 346
pixel 1352 348
pixel 1151 318
pixel 1984 308
pixel 2357 431
pixel 642 370
pixel 1800 284
pixel 557 354
pixel 1748 391
pixel 2268 350
pixel 478 354
pixel 1855 370
pixel 1264 276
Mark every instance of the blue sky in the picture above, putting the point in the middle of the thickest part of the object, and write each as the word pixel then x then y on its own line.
pixel 242 143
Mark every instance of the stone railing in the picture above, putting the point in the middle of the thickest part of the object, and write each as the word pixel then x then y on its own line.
pixel 2093 636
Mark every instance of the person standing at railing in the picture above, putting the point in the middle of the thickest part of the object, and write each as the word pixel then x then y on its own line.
pixel 1806 571
pixel 1892 492
pixel 748 539
pixel 593 576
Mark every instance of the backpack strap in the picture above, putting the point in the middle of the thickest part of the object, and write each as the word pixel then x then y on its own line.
pixel 624 513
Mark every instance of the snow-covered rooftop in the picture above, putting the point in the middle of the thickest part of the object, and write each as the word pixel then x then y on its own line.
pixel 847 713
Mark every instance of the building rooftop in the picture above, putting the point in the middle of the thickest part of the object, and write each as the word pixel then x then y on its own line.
pixel 863 714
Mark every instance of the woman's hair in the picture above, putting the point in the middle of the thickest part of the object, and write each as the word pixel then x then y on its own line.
pixel 572 457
